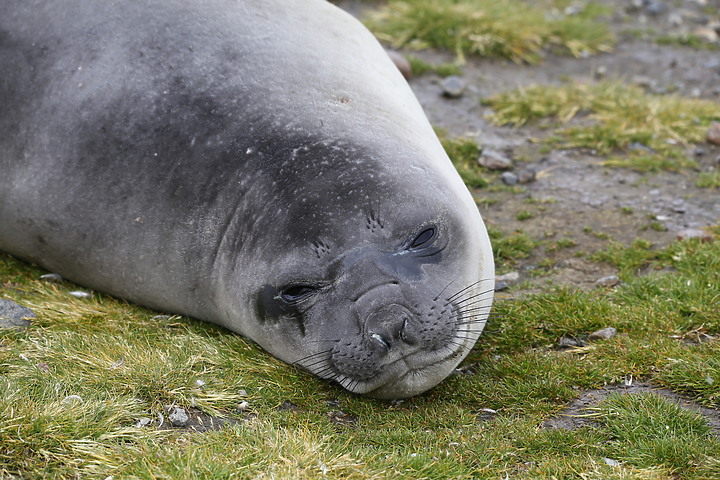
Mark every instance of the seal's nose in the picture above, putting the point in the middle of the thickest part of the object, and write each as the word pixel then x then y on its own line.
pixel 388 325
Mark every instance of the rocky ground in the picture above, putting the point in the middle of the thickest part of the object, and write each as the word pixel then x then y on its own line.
pixel 575 192
pixel 574 196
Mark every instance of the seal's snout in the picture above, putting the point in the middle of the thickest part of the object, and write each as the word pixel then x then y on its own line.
pixel 388 325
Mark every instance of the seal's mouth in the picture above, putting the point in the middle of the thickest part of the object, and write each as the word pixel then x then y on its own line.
pixel 403 349
pixel 413 373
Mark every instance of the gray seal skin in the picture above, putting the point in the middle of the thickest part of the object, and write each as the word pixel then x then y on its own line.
pixel 261 165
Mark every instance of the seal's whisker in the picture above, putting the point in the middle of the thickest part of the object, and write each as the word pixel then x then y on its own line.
pixel 474 284
pixel 476 295
pixel 443 290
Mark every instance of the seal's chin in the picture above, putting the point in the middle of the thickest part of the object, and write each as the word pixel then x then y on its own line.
pixel 407 376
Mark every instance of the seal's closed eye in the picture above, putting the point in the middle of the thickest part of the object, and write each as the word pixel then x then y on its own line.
pixel 296 293
pixel 423 239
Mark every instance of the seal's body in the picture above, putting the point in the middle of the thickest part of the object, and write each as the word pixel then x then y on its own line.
pixel 259 165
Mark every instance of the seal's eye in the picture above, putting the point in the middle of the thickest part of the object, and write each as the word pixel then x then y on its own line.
pixel 423 238
pixel 297 293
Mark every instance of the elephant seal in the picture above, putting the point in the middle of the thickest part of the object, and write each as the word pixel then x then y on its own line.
pixel 261 165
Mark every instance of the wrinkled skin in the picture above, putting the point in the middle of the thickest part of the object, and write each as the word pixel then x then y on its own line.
pixel 258 165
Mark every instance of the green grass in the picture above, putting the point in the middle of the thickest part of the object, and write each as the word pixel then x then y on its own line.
pixel 421 67
pixel 709 179
pixel 464 153
pixel 686 40
pixel 612 118
pixel 125 364
pixel 647 430
pixel 511 29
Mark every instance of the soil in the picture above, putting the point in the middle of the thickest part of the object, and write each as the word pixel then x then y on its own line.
pixel 572 190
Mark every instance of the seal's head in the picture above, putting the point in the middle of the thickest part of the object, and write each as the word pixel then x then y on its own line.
pixel 384 280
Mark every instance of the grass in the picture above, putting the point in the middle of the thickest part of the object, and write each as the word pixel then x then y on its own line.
pixel 125 364
pixel 421 67
pixel 709 179
pixel 511 29
pixel 638 130
pixel 464 153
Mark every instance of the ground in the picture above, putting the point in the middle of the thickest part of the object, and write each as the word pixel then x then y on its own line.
pixel 573 195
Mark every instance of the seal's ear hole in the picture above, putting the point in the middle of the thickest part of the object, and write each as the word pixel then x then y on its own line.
pixel 423 238
pixel 297 293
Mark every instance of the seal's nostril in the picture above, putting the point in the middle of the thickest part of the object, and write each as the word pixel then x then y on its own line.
pixel 382 341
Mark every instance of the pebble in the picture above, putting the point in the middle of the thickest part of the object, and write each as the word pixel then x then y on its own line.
pixel 14 315
pixel 453 86
pixel 503 282
pixel 510 277
pixel 707 34
pixel 242 406
pixel 509 178
pixel 51 277
pixel 143 422
pixel 72 399
pixel 655 8
pixel 713 134
pixel 526 176
pixel 493 160
pixel 695 233
pixel 178 417
pixel 568 342
pixel 401 63
pixel 79 294
pixel 603 334
pixel 609 281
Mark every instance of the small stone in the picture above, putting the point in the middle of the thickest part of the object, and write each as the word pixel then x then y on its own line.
pixel 242 406
pixel 713 134
pixel 79 294
pixel 699 152
pixel 678 206
pixel 510 277
pixel 14 315
pixel 602 334
pixel 569 342
pixel 401 63
pixel 143 422
pixel 526 176
pixel 493 160
pixel 695 233
pixel 242 393
pixel 600 72
pixel 500 286
pixel 675 19
pixel 178 417
pixel 200 383
pixel 655 8
pixel 707 34
pixel 609 281
pixel 72 399
pixel 611 462
pixel 509 178
pixel 51 277
pixel 453 86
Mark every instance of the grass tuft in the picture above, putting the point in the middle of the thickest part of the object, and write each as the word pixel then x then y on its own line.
pixel 464 153
pixel 511 29
pixel 609 117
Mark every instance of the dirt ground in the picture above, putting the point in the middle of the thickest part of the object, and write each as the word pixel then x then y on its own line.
pixel 573 189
